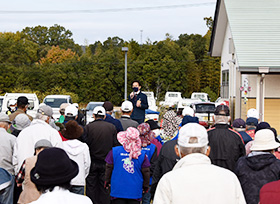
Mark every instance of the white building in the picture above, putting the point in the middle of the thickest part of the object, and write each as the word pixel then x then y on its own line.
pixel 246 35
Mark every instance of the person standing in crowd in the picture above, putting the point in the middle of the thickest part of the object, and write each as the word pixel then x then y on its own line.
pixel 6 152
pixel 39 129
pixel 20 122
pixel 270 193
pixel 29 191
pixel 101 138
pixel 156 130
pixel 252 121
pixel 260 166
pixel 12 106
pixel 62 112
pixel 127 169
pixel 81 118
pixel 109 107
pixel 126 121
pixel 71 113
pixel 77 151
pixel 194 179
pixel 239 126
pixel 251 125
pixel 53 181
pixel 170 125
pixel 139 101
pixel 146 136
pixel 22 105
pixel 226 145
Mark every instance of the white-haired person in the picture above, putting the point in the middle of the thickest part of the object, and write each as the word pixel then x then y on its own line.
pixel 39 129
pixel 194 179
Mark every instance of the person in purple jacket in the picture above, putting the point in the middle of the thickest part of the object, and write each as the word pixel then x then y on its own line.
pixel 127 169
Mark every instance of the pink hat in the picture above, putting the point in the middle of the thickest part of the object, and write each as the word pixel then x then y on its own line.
pixel 131 142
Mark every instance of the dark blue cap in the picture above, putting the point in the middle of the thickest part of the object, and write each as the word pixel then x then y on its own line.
pixel 252 121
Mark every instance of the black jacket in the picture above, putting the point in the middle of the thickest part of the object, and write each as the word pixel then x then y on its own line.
pixel 226 146
pixel 167 159
pixel 139 112
pixel 255 171
pixel 101 138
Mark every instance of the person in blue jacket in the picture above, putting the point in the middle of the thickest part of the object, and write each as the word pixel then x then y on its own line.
pixel 146 136
pixel 127 169
pixel 139 101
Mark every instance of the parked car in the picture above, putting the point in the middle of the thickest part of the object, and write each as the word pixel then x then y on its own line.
pixel 54 101
pixel 32 99
pixel 204 111
pixel 89 110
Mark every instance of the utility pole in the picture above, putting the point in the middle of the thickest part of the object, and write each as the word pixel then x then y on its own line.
pixel 125 49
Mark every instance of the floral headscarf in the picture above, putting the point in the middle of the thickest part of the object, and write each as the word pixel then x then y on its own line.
pixel 170 123
pixel 131 142
pixel 146 135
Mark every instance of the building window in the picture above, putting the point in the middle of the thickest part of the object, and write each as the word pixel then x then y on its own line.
pixel 225 82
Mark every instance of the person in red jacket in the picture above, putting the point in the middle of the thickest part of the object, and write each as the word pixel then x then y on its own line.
pixel 270 193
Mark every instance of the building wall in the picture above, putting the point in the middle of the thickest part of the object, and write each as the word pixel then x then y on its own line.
pixel 271 111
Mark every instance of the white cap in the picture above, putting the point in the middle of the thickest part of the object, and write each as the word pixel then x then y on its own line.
pixel 71 110
pixel 188 111
pixel 99 110
pixel 75 104
pixel 264 140
pixel 12 102
pixel 64 106
pixel 192 130
pixel 127 106
pixel 21 121
pixel 253 113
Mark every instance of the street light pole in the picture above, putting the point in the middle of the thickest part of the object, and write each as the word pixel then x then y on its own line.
pixel 125 49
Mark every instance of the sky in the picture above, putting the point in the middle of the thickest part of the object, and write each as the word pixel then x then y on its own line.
pixel 96 20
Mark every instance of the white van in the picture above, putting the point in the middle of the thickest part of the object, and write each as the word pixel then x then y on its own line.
pixel 54 101
pixel 171 98
pixel 32 99
pixel 200 96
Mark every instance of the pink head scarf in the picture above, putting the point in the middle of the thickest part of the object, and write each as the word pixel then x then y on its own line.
pixel 131 142
pixel 146 135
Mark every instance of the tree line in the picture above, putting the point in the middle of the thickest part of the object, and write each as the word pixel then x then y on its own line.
pixel 46 60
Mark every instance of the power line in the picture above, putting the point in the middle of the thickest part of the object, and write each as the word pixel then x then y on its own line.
pixel 107 10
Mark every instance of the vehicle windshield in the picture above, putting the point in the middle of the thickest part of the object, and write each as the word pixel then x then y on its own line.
pixel 91 106
pixel 55 102
pixel 205 108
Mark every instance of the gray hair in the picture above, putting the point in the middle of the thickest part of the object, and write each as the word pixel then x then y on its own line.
pixel 41 117
pixel 190 150
pixel 239 129
pixel 221 119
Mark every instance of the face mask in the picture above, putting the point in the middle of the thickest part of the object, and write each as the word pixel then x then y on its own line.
pixel 157 132
pixel 13 108
pixel 135 89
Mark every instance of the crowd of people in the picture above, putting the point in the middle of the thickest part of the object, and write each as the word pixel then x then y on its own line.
pixel 130 160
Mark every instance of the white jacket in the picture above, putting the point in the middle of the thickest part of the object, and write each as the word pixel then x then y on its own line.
pixel 60 196
pixel 195 180
pixel 79 152
pixel 25 142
